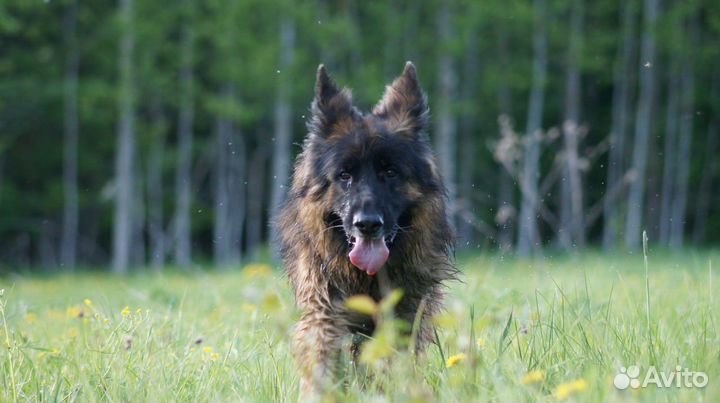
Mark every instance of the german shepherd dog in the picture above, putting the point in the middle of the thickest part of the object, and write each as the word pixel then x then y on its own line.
pixel 365 215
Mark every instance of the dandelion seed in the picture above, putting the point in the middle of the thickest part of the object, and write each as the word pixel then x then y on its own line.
pixel 125 311
pixel 534 376
pixel 87 302
pixel 454 360
pixel 565 390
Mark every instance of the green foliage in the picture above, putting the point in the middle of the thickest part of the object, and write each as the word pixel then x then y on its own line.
pixel 364 44
pixel 514 330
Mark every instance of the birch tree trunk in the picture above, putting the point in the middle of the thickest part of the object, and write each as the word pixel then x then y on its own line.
pixel 122 229
pixel 506 212
pixel 687 113
pixel 643 125
pixel 183 252
pixel 283 116
pixel 710 164
pixel 623 81
pixel 255 200
pixel 571 232
pixel 670 155
pixel 445 130
pixel 528 234
pixel 469 134
pixel 154 186
pixel 229 194
pixel 68 247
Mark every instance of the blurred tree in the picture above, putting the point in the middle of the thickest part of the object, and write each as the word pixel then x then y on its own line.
pixel 183 178
pixel 68 246
pixel 643 125
pixel 528 232
pixel 124 181
pixel 623 83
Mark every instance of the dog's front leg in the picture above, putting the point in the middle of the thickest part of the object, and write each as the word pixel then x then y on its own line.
pixel 317 345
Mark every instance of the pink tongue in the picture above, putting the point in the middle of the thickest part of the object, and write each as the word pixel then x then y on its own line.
pixel 369 255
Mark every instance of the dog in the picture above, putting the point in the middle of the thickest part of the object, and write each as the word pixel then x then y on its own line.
pixel 366 213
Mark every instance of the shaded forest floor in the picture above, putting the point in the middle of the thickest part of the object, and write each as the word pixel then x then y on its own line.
pixel 551 330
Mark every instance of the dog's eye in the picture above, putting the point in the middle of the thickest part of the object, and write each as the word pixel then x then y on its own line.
pixel 345 176
pixel 390 172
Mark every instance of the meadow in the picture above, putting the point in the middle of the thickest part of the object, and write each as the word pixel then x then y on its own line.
pixel 553 329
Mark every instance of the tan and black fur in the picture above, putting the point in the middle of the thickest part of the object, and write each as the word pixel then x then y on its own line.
pixel 315 234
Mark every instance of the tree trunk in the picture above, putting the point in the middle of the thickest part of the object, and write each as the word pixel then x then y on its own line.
pixel 122 229
pixel 229 188
pixel 183 245
pixel 68 247
pixel 156 231
pixel 137 238
pixel 506 212
pixel 237 185
pixel 623 81
pixel 687 113
pixel 283 117
pixel 255 201
pixel 702 205
pixel 528 234
pixel 445 131
pixel 571 232
pixel 670 155
pixel 643 125
pixel 468 153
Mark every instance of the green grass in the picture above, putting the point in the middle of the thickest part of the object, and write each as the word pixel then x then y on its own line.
pixel 223 336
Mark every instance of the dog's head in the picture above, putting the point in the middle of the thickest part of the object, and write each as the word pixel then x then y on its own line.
pixel 373 168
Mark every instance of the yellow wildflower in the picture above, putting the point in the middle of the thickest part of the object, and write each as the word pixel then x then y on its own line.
pixel 565 390
pixel 257 270
pixel 454 360
pixel 480 343
pixel 125 311
pixel 208 349
pixel 138 311
pixel 74 312
pixel 31 318
pixel 214 357
pixel 73 333
pixel 55 352
pixel 87 302
pixel 534 376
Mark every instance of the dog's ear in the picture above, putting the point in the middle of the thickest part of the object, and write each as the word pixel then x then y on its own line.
pixel 331 108
pixel 404 105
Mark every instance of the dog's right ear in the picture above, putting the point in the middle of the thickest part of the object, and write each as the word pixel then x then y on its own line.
pixel 331 107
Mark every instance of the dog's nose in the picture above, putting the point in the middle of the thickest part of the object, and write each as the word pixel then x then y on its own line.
pixel 368 224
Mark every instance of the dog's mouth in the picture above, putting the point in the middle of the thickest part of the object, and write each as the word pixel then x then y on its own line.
pixel 368 254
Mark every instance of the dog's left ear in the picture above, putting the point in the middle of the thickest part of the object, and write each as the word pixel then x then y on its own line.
pixel 404 105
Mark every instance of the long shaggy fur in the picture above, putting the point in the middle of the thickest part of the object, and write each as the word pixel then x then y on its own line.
pixel 314 248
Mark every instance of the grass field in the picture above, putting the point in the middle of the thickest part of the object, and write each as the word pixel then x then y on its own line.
pixel 557 329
